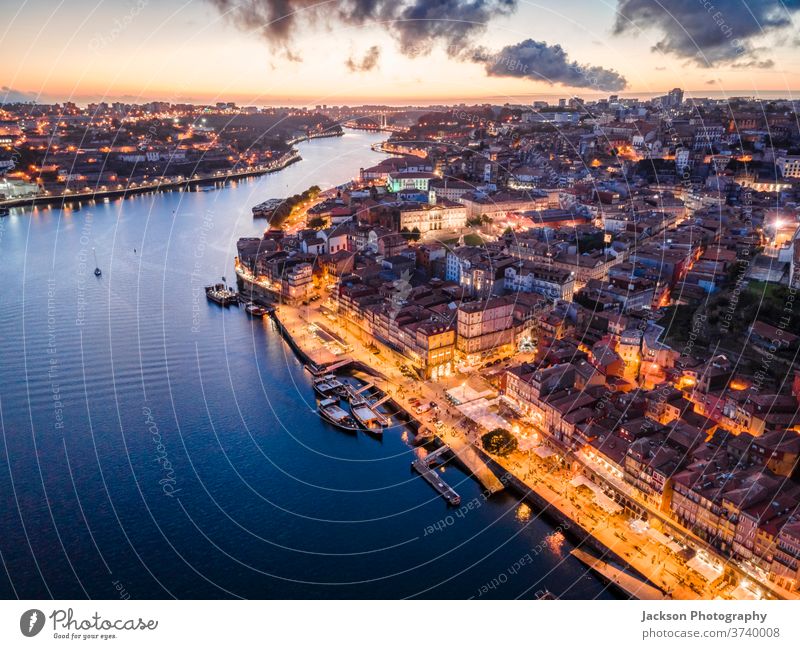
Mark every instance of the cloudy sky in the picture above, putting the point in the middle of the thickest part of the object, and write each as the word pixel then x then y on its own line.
pixel 334 51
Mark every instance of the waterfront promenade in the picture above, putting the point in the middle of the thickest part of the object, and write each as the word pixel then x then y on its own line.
pixel 155 185
pixel 295 322
pixel 551 484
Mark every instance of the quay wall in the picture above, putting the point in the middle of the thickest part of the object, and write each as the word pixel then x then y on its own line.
pixel 570 527
pixel 167 186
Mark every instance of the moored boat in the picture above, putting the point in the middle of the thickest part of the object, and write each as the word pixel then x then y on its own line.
pixel 330 410
pixel 221 295
pixel 323 388
pixel 367 417
pixel 328 385
pixel 255 310
pixel 338 387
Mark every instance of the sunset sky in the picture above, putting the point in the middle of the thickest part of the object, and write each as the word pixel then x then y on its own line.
pixel 328 52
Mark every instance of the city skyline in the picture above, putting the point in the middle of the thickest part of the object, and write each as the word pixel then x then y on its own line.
pixel 364 300
pixel 204 51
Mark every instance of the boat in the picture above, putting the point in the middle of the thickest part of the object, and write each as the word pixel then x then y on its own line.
pixel 328 385
pixel 265 210
pixel 323 389
pixel 221 295
pixel 544 594
pixel 354 397
pixel 330 410
pixel 97 271
pixel 338 387
pixel 367 417
pixel 255 310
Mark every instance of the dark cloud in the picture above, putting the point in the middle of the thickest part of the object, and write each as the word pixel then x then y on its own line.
pixel 706 31
pixel 367 63
pixel 754 63
pixel 538 61
pixel 421 23
pixel 417 25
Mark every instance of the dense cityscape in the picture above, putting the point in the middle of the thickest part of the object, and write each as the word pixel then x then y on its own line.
pixel 609 283
pixel 324 320
pixel 567 278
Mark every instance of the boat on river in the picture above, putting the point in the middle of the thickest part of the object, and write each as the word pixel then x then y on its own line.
pixel 335 414
pixel 255 310
pixel 367 417
pixel 328 385
pixel 221 295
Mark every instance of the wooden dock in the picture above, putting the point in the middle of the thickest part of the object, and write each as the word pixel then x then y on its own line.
pixel 330 369
pixel 629 584
pixel 381 401
pixel 365 388
pixel 423 467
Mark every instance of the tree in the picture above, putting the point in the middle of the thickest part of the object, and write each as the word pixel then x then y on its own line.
pixel 316 222
pixel 411 235
pixel 499 442
pixel 474 221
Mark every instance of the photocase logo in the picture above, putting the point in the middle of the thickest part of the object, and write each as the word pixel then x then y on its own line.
pixel 31 622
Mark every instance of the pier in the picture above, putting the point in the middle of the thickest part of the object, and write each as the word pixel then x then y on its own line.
pixel 423 467
pixel 381 401
pixel 329 369
pixel 635 588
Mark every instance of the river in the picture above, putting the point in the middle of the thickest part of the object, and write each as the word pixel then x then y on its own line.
pixel 159 446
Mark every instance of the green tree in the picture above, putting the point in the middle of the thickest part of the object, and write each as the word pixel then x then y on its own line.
pixel 499 442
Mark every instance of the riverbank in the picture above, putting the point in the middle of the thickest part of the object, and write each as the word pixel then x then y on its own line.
pixel 161 185
pixel 549 483
pixel 322 513
pixel 315 136
pixel 289 320
pixel 493 474
pixel 398 149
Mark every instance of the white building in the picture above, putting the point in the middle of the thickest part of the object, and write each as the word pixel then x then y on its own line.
pixel 443 215
pixel 789 166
